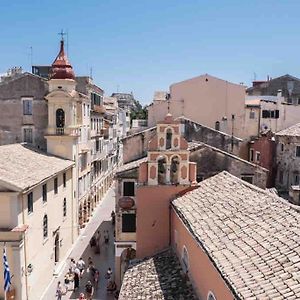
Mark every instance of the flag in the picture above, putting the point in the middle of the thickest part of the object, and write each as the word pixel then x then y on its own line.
pixel 7 282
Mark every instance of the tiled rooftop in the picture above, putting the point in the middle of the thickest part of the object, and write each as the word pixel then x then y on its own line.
pixel 293 130
pixel 252 236
pixel 131 165
pixel 22 166
pixel 159 277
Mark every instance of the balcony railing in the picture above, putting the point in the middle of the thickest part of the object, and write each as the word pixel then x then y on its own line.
pixel 60 131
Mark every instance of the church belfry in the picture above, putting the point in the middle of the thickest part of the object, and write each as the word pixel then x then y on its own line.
pixel 168 156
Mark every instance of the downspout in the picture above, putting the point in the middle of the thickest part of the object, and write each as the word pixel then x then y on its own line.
pixel 25 250
pixel 170 224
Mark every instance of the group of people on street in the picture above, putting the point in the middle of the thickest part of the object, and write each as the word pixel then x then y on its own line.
pixel 76 270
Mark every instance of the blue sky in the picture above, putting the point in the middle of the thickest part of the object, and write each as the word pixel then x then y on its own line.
pixel 146 45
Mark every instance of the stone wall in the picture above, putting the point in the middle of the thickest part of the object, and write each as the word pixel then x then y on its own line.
pixel 210 161
pixel 135 146
pixel 11 109
pixel 288 164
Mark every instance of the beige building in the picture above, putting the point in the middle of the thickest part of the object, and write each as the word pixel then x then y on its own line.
pixel 37 217
pixel 205 99
pixel 269 113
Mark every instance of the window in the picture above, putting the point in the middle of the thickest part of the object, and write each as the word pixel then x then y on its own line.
pixel 169 139
pixel 65 207
pixel 251 156
pixel 298 151
pixel 211 296
pixel 266 114
pixel 55 185
pixel 128 223
pixel 60 118
pixel 83 161
pixel 185 259
pixel 277 114
pixel 64 179
pixel 282 147
pixel 27 107
pixel 281 177
pixel 97 145
pixel 257 156
pixel 30 202
pixel 84 109
pixel 252 115
pixel 44 192
pixel 298 101
pixel 272 113
pixel 128 188
pixel 296 179
pixel 45 226
pixel 247 178
pixel 27 134
pixel 217 125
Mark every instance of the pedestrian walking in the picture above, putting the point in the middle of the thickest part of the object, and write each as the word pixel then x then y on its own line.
pixel 96 278
pixel 89 290
pixel 108 274
pixel 76 278
pixel 59 291
pixel 81 297
pixel 81 266
pixel 72 264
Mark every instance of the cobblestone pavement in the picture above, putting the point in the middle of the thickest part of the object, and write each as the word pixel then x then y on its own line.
pixel 100 221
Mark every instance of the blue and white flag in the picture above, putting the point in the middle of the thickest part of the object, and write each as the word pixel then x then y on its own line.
pixel 7 282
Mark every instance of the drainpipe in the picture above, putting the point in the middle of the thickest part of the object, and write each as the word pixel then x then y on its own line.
pixel 25 249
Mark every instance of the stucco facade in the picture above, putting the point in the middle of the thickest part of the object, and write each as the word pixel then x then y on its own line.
pixel 206 100
pixel 202 273
pixel 34 255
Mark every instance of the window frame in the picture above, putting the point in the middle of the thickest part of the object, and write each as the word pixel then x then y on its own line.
pixel 44 192
pixel 252 114
pixel 45 227
pixel 30 201
pixel 27 110
pixel 257 156
pixel 64 179
pixel 65 207
pixel 211 296
pixel 297 151
pixel 127 214
pixel 244 176
pixel 30 128
pixel 55 185
pixel 123 188
pixel 186 263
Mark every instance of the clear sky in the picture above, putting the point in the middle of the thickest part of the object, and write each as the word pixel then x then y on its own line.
pixel 146 45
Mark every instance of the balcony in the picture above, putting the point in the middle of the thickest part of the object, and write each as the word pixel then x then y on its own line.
pixel 60 131
pixel 99 109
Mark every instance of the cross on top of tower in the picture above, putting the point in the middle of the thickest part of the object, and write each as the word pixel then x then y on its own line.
pixel 62 33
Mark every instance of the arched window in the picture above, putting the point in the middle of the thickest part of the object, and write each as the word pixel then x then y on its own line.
pixel 161 171
pixel 174 170
pixel 45 226
pixel 60 118
pixel 169 139
pixel 211 296
pixel 217 125
pixel 185 259
pixel 65 207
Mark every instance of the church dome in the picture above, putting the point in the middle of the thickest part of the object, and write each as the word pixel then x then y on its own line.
pixel 126 202
pixel 61 68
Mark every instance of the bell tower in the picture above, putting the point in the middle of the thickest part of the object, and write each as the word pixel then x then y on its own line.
pixel 168 156
pixel 64 108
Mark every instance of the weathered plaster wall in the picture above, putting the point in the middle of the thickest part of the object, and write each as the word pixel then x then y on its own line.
pixel 11 109
pixel 211 161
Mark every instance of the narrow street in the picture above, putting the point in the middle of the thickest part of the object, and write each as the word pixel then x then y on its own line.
pixel 101 221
